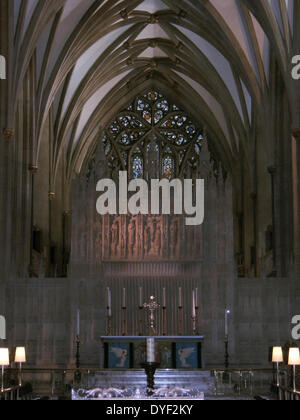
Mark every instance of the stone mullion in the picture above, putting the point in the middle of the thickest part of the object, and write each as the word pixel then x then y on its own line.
pixel 296 195
pixel 29 159
pixel 296 26
pixel 6 135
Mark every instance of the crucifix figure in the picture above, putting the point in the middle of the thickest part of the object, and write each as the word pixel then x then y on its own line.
pixel 152 306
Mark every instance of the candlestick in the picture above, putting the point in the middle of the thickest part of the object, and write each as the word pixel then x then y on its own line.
pixel 194 316
pixel 124 298
pixel 124 316
pixel 109 325
pixel 77 375
pixel 180 321
pixel 164 313
pixel 109 314
pixel 141 297
pixel 150 369
pixel 180 298
pixel 164 298
pixel 141 311
pixel 227 313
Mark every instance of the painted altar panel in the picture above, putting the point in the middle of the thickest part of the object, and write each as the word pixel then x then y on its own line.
pixel 118 355
pixel 141 238
pixel 171 352
pixel 186 355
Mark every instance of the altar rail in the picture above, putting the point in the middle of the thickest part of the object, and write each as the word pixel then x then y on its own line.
pixel 288 394
pixel 240 383
pixel 16 393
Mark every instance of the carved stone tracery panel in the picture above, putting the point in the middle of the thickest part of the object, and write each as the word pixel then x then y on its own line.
pixel 143 238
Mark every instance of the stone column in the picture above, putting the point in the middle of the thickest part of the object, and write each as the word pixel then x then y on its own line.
pixel 272 171
pixel 6 135
pixel 254 200
pixel 296 194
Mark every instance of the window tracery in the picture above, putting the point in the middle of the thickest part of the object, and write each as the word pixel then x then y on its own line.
pixel 151 138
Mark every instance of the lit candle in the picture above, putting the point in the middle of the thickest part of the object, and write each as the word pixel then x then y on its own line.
pixel 227 313
pixel 109 301
pixel 141 297
pixel 108 298
pixel 194 305
pixel 180 297
pixel 78 322
pixel 124 298
pixel 151 350
pixel 164 298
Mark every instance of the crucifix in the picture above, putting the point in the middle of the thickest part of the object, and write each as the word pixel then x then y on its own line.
pixel 152 306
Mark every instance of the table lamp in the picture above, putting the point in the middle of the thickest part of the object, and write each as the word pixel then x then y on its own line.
pixel 294 360
pixel 4 361
pixel 277 357
pixel 20 358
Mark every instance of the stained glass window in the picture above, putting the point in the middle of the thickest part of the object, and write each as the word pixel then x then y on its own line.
pixel 161 139
pixel 168 167
pixel 137 167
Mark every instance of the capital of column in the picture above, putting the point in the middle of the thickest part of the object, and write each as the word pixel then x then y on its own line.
pixel 33 169
pixel 296 133
pixel 124 14
pixel 8 133
pixel 272 169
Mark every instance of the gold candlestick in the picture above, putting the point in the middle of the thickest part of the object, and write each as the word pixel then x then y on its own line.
pixel 164 321
pixel 124 321
pixel 194 319
pixel 109 323
pixel 196 325
pixel 180 320
pixel 141 321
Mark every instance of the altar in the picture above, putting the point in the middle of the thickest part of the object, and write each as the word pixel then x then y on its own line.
pixel 184 352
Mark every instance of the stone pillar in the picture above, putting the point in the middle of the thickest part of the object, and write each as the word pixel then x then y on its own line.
pixel 296 194
pixel 254 200
pixel 272 171
pixel 6 135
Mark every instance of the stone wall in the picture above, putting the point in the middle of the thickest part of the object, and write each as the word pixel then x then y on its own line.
pixel 41 314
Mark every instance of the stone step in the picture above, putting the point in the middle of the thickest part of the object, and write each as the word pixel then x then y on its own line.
pixel 163 378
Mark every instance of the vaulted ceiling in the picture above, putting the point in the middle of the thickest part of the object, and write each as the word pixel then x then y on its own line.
pixel 93 56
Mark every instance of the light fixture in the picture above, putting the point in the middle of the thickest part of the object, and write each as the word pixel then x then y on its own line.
pixel 277 357
pixel 4 361
pixel 20 358
pixel 294 360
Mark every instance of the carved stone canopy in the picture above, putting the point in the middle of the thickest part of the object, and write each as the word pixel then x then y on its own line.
pixel 33 169
pixel 296 133
pixel 8 133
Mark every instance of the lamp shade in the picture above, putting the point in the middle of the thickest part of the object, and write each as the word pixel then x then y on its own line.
pixel 294 356
pixel 4 357
pixel 277 356
pixel 20 355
